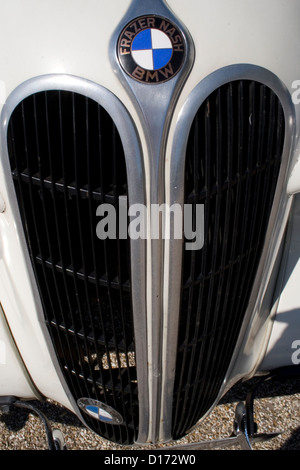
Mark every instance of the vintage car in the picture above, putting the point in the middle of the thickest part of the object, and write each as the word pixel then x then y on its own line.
pixel 150 209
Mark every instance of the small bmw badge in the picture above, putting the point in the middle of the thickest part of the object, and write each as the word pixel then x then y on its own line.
pixel 151 49
pixel 100 411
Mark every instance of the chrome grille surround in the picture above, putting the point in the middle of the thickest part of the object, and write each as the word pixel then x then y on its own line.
pixel 173 171
pixel 62 86
pixel 254 328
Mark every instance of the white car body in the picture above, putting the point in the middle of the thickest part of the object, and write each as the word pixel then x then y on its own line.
pixel 73 38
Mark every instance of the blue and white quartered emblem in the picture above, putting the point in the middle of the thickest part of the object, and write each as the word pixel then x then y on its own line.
pixel 100 411
pixel 151 49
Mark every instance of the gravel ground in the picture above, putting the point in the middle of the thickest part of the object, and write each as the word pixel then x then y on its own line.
pixel 277 408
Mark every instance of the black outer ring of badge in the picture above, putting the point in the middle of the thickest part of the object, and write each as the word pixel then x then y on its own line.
pixel 134 70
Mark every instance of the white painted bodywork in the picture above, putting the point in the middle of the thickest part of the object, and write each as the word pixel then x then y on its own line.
pixel 40 37
pixel 283 348
pixel 13 377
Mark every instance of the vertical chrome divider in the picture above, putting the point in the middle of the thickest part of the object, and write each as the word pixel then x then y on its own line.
pixel 154 103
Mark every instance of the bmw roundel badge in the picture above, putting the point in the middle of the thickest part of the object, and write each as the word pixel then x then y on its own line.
pixel 151 49
pixel 100 411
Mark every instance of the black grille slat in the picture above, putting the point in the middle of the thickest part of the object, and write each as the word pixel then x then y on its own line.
pixel 66 158
pixel 232 164
pixel 92 277
pixel 59 186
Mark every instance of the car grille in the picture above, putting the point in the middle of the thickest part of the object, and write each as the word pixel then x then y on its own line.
pixel 66 159
pixel 233 159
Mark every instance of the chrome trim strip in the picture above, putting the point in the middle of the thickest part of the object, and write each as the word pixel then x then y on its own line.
pixel 136 194
pixel 173 248
pixel 154 105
